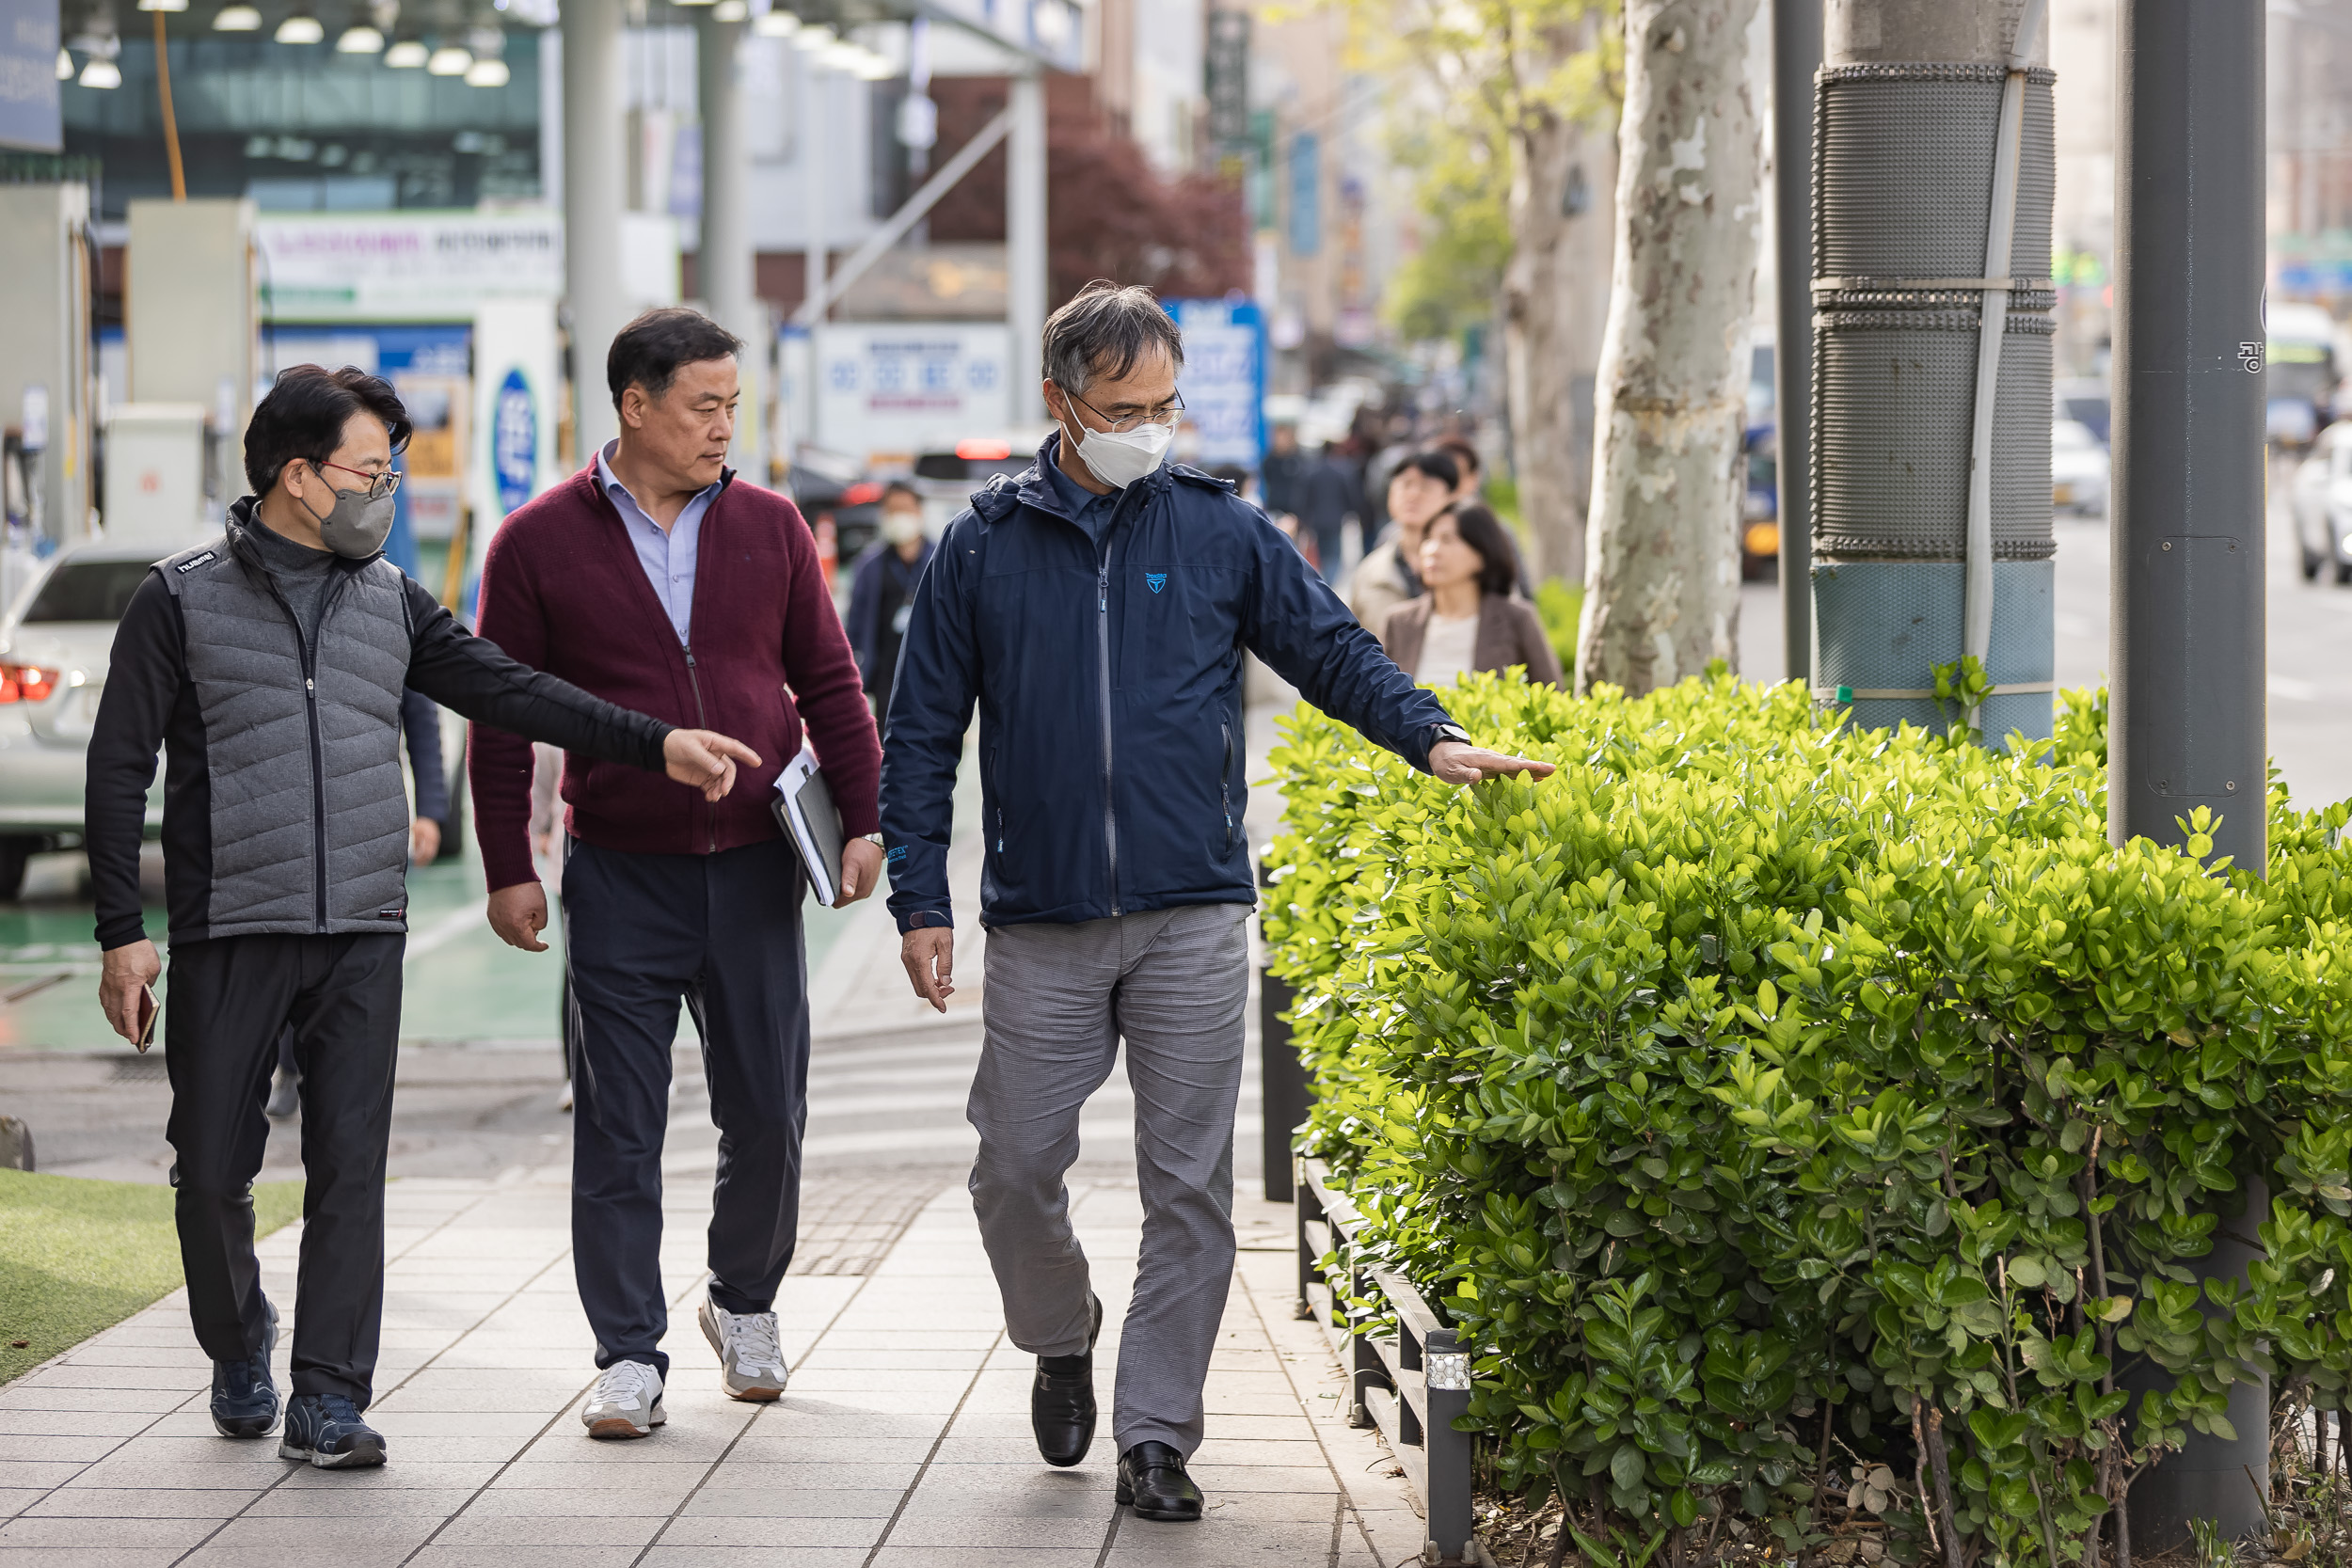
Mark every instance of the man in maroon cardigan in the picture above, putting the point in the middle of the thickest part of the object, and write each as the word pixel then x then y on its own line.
pixel 656 580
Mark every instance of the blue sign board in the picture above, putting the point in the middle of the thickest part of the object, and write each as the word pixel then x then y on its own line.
pixel 515 445
pixel 1224 380
pixel 29 76
pixel 1306 185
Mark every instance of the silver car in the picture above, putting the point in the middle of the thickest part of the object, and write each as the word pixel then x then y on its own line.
pixel 55 643
pixel 2321 499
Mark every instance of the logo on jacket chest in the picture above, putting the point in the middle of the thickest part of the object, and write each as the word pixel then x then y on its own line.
pixel 1155 580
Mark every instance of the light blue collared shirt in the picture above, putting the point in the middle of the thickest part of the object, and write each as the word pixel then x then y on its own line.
pixel 667 555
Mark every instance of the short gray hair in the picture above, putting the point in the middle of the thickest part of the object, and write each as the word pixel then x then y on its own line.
pixel 1105 331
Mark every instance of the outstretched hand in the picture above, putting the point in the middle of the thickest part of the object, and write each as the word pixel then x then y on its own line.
pixel 706 760
pixel 1458 763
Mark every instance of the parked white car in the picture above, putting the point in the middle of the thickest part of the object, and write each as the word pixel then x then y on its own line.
pixel 2321 499
pixel 2078 469
pixel 55 643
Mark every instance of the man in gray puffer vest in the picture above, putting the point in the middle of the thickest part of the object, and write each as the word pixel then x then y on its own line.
pixel 270 663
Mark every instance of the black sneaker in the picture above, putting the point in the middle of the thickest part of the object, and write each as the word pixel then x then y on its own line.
pixel 325 1428
pixel 244 1400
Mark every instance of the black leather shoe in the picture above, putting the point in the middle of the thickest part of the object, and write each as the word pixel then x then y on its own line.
pixel 1061 1403
pixel 244 1400
pixel 1151 1479
pixel 325 1428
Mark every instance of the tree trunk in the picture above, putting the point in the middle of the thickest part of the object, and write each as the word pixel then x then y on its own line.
pixel 1555 296
pixel 1662 582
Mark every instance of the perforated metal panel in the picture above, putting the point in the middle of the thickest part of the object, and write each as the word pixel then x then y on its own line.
pixel 1884 625
pixel 1903 194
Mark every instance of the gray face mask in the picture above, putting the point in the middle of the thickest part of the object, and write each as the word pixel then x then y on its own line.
pixel 357 526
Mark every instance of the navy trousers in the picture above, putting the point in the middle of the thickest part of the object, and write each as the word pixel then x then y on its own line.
pixel 720 933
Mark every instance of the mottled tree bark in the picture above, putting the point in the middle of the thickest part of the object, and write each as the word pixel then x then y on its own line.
pixel 1555 302
pixel 1662 582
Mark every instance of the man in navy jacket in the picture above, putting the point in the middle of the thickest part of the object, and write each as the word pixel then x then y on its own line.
pixel 1096 609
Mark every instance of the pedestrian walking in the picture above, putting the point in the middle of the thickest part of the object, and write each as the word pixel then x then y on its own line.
pixel 1466 619
pixel 1423 485
pixel 882 590
pixel 269 664
pixel 1329 493
pixel 1282 479
pixel 655 577
pixel 1096 609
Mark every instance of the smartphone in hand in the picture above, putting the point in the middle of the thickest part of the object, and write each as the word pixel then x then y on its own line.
pixel 149 1010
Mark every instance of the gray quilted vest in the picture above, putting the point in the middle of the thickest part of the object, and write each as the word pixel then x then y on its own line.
pixel 310 817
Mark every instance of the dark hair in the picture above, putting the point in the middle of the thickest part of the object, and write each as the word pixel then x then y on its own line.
pixel 304 414
pixel 901 487
pixel 1102 333
pixel 649 351
pixel 1483 532
pixel 1231 473
pixel 1465 455
pixel 1437 463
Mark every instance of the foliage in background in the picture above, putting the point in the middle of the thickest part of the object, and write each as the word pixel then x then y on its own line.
pixel 1477 74
pixel 1560 604
pixel 79 1256
pixel 1809 1128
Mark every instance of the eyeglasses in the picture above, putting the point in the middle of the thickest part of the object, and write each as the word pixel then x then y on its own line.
pixel 1167 415
pixel 379 486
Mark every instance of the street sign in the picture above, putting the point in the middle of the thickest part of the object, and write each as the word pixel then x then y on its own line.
pixel 902 388
pixel 29 76
pixel 1224 380
pixel 1226 67
pixel 404 266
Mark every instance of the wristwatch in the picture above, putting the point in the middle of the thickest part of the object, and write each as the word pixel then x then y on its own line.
pixel 1449 732
pixel 874 839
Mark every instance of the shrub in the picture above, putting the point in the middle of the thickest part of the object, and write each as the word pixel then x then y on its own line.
pixel 1767 1100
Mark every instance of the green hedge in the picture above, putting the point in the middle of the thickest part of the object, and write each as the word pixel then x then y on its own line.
pixel 1755 1091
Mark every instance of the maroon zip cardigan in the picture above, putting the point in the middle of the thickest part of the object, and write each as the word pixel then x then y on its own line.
pixel 562 592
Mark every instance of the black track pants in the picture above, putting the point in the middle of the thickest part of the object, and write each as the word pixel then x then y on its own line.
pixel 229 999
pixel 721 934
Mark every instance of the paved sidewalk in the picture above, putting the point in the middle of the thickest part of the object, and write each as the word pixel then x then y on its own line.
pixel 904 1437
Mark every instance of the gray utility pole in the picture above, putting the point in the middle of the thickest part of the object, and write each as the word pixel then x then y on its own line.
pixel 2184 724
pixel 723 262
pixel 596 175
pixel 1796 55
pixel 1935 169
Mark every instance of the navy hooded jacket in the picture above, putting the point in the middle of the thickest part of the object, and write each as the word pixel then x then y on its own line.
pixel 1106 663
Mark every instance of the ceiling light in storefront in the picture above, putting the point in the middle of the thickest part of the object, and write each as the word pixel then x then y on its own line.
pixel 814 38
pixel 845 55
pixel 874 68
pixel 449 60
pixel 65 65
pixel 101 73
pixel 486 73
pixel 731 10
pixel 685 3
pixel 408 55
pixel 162 5
pixel 237 17
pixel 359 39
pixel 776 24
pixel 301 27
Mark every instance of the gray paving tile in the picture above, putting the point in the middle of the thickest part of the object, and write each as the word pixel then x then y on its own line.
pixel 86 1557
pixel 712 1532
pixel 472 1529
pixel 969 1531
pixel 894 1556
pixel 778 1502
pixel 123 1502
pixel 175 1534
pixel 753 1556
pixel 441 1554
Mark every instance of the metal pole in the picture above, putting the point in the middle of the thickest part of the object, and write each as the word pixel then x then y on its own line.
pixel 2185 726
pixel 723 263
pixel 596 175
pixel 1024 244
pixel 2185 716
pixel 1796 55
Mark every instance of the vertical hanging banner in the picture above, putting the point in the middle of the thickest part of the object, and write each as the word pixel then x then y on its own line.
pixel 30 116
pixel 1224 380
pixel 517 366
pixel 1306 193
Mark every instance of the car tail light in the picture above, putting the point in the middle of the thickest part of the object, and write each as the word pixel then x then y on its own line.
pixel 26 682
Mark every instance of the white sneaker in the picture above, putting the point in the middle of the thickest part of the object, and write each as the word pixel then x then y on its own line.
pixel 626 1402
pixel 749 1354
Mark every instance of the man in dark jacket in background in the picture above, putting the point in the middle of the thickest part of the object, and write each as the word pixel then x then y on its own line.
pixel 654 578
pixel 270 663
pixel 1096 610
pixel 882 590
